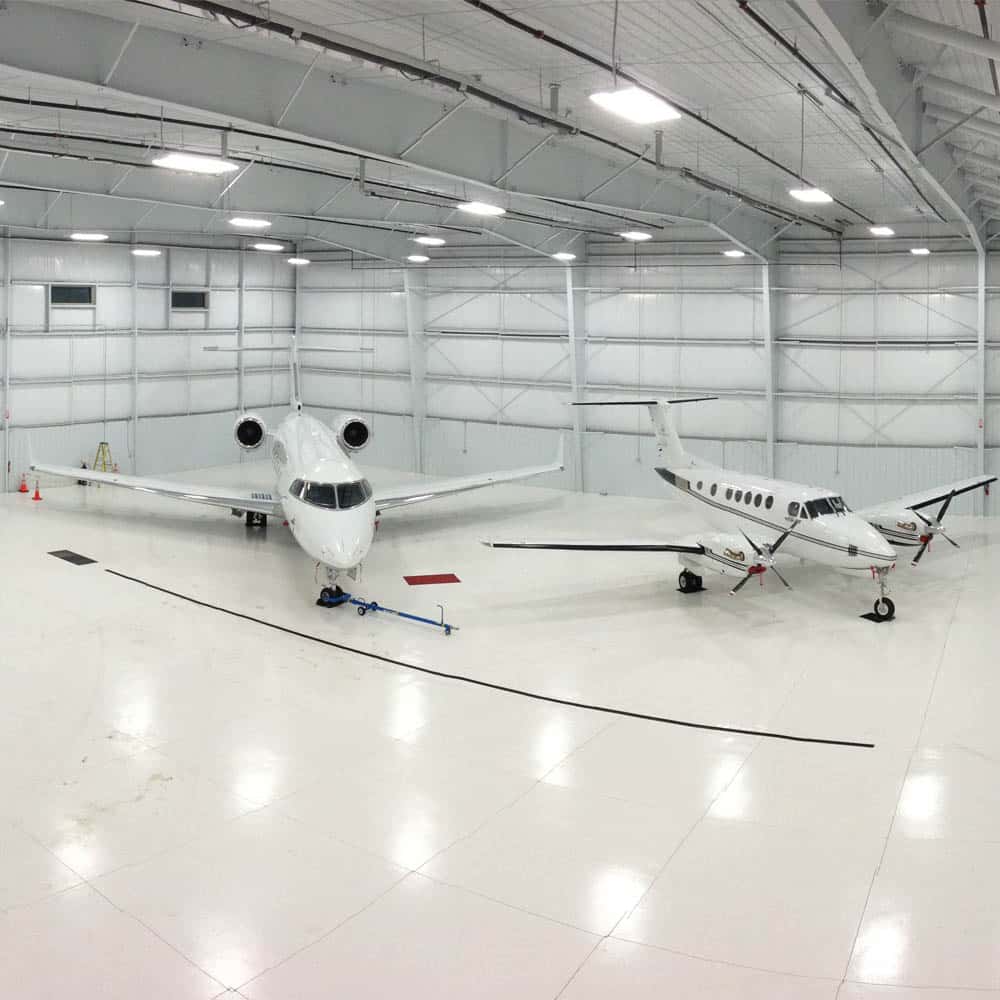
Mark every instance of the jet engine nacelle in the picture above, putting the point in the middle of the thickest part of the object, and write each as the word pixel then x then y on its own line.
pixel 249 431
pixel 353 433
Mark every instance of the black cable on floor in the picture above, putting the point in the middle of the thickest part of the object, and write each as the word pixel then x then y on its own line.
pixel 551 699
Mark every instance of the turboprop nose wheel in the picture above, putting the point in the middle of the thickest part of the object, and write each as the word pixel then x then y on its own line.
pixel 884 609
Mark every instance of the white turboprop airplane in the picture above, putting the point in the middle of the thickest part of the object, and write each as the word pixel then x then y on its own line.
pixel 330 507
pixel 756 517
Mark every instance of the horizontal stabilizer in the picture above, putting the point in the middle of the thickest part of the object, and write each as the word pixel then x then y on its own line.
pixel 641 402
pixel 285 347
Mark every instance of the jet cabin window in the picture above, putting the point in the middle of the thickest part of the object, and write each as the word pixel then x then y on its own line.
pixel 333 496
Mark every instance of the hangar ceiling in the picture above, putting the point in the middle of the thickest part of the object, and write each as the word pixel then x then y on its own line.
pixel 358 125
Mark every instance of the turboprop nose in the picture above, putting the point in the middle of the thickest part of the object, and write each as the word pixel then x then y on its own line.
pixel 878 549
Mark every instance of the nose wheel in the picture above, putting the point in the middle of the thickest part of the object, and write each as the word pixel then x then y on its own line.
pixel 689 583
pixel 884 609
pixel 330 597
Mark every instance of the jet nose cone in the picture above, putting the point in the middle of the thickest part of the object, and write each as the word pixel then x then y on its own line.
pixel 341 555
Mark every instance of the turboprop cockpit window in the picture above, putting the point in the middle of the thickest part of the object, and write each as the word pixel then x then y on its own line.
pixel 353 494
pixel 296 488
pixel 825 505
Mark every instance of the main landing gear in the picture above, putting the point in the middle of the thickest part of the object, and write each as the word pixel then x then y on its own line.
pixel 256 519
pixel 689 583
pixel 883 609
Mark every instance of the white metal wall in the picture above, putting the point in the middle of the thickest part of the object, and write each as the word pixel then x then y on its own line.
pixel 875 362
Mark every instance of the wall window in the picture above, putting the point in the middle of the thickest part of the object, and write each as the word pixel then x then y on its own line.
pixel 72 295
pixel 188 299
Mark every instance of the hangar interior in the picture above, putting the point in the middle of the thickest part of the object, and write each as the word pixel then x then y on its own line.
pixel 596 784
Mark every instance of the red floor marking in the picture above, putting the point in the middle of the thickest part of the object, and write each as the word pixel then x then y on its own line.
pixel 416 581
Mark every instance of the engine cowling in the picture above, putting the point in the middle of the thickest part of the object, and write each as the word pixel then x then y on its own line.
pixel 249 431
pixel 353 433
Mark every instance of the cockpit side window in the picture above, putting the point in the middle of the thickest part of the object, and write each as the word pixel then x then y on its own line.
pixel 793 509
pixel 296 488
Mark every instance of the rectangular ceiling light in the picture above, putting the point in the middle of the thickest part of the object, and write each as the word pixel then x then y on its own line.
pixel 881 231
pixel 480 208
pixel 635 105
pixel 269 246
pixel 814 196
pixel 145 252
pixel 192 163
pixel 919 251
pixel 88 237
pixel 240 222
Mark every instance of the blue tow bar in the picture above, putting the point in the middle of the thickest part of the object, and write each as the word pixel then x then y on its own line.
pixel 365 606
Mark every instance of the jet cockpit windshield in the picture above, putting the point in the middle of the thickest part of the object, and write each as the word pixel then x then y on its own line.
pixel 332 496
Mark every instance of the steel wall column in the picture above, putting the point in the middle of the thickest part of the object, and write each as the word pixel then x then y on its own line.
pixel 767 319
pixel 6 359
pixel 981 355
pixel 417 340
pixel 241 317
pixel 135 363
pixel 577 377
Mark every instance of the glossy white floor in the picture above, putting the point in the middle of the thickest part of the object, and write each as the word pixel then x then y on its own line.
pixel 194 804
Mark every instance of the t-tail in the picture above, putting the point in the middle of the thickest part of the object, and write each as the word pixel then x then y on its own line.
pixel 672 452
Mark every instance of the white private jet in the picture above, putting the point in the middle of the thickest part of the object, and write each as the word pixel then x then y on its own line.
pixel 330 507
pixel 756 517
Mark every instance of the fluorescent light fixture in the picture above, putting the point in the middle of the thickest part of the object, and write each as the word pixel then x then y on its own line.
pixel 635 105
pixel 481 208
pixel 733 253
pixel 418 258
pixel 1 202
pixel 88 237
pixel 299 261
pixel 919 251
pixel 636 236
pixel 815 196
pixel 881 231
pixel 240 222
pixel 145 252
pixel 429 241
pixel 192 163
pixel 564 255
pixel 269 246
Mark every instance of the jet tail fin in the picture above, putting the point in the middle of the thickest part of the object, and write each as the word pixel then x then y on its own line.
pixel 671 450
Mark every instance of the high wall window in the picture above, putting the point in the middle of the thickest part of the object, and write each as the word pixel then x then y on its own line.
pixel 188 299
pixel 72 295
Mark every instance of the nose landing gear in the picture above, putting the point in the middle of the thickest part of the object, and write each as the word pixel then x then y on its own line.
pixel 883 609
pixel 689 583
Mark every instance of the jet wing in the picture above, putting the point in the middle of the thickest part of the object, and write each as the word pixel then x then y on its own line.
pixel 217 496
pixel 570 546
pixel 417 492
pixel 926 498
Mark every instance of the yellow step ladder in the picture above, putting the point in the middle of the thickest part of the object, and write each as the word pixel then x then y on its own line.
pixel 102 460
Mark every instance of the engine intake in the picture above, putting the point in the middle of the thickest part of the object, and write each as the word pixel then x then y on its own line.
pixel 249 431
pixel 353 433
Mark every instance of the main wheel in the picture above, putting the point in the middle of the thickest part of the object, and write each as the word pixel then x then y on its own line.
pixel 884 609
pixel 686 582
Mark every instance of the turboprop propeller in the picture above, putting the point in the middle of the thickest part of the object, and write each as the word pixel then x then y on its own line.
pixel 764 561
pixel 933 528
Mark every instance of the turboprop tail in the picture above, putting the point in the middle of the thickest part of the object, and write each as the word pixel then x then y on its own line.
pixel 672 451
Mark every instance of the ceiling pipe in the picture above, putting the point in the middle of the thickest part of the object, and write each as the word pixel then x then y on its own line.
pixel 961 91
pixel 978 160
pixel 942 34
pixel 950 116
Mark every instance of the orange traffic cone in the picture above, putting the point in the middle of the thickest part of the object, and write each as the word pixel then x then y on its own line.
pixel 23 488
pixel 38 495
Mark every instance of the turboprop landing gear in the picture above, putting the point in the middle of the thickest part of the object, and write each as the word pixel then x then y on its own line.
pixel 689 583
pixel 256 519
pixel 883 609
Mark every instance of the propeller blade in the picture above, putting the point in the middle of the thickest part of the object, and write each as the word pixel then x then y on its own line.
pixel 780 541
pixel 920 553
pixel 948 538
pixel 945 506
pixel 742 583
pixel 781 578
pixel 926 520
pixel 751 542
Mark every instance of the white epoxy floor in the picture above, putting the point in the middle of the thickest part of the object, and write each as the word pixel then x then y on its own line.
pixel 194 805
